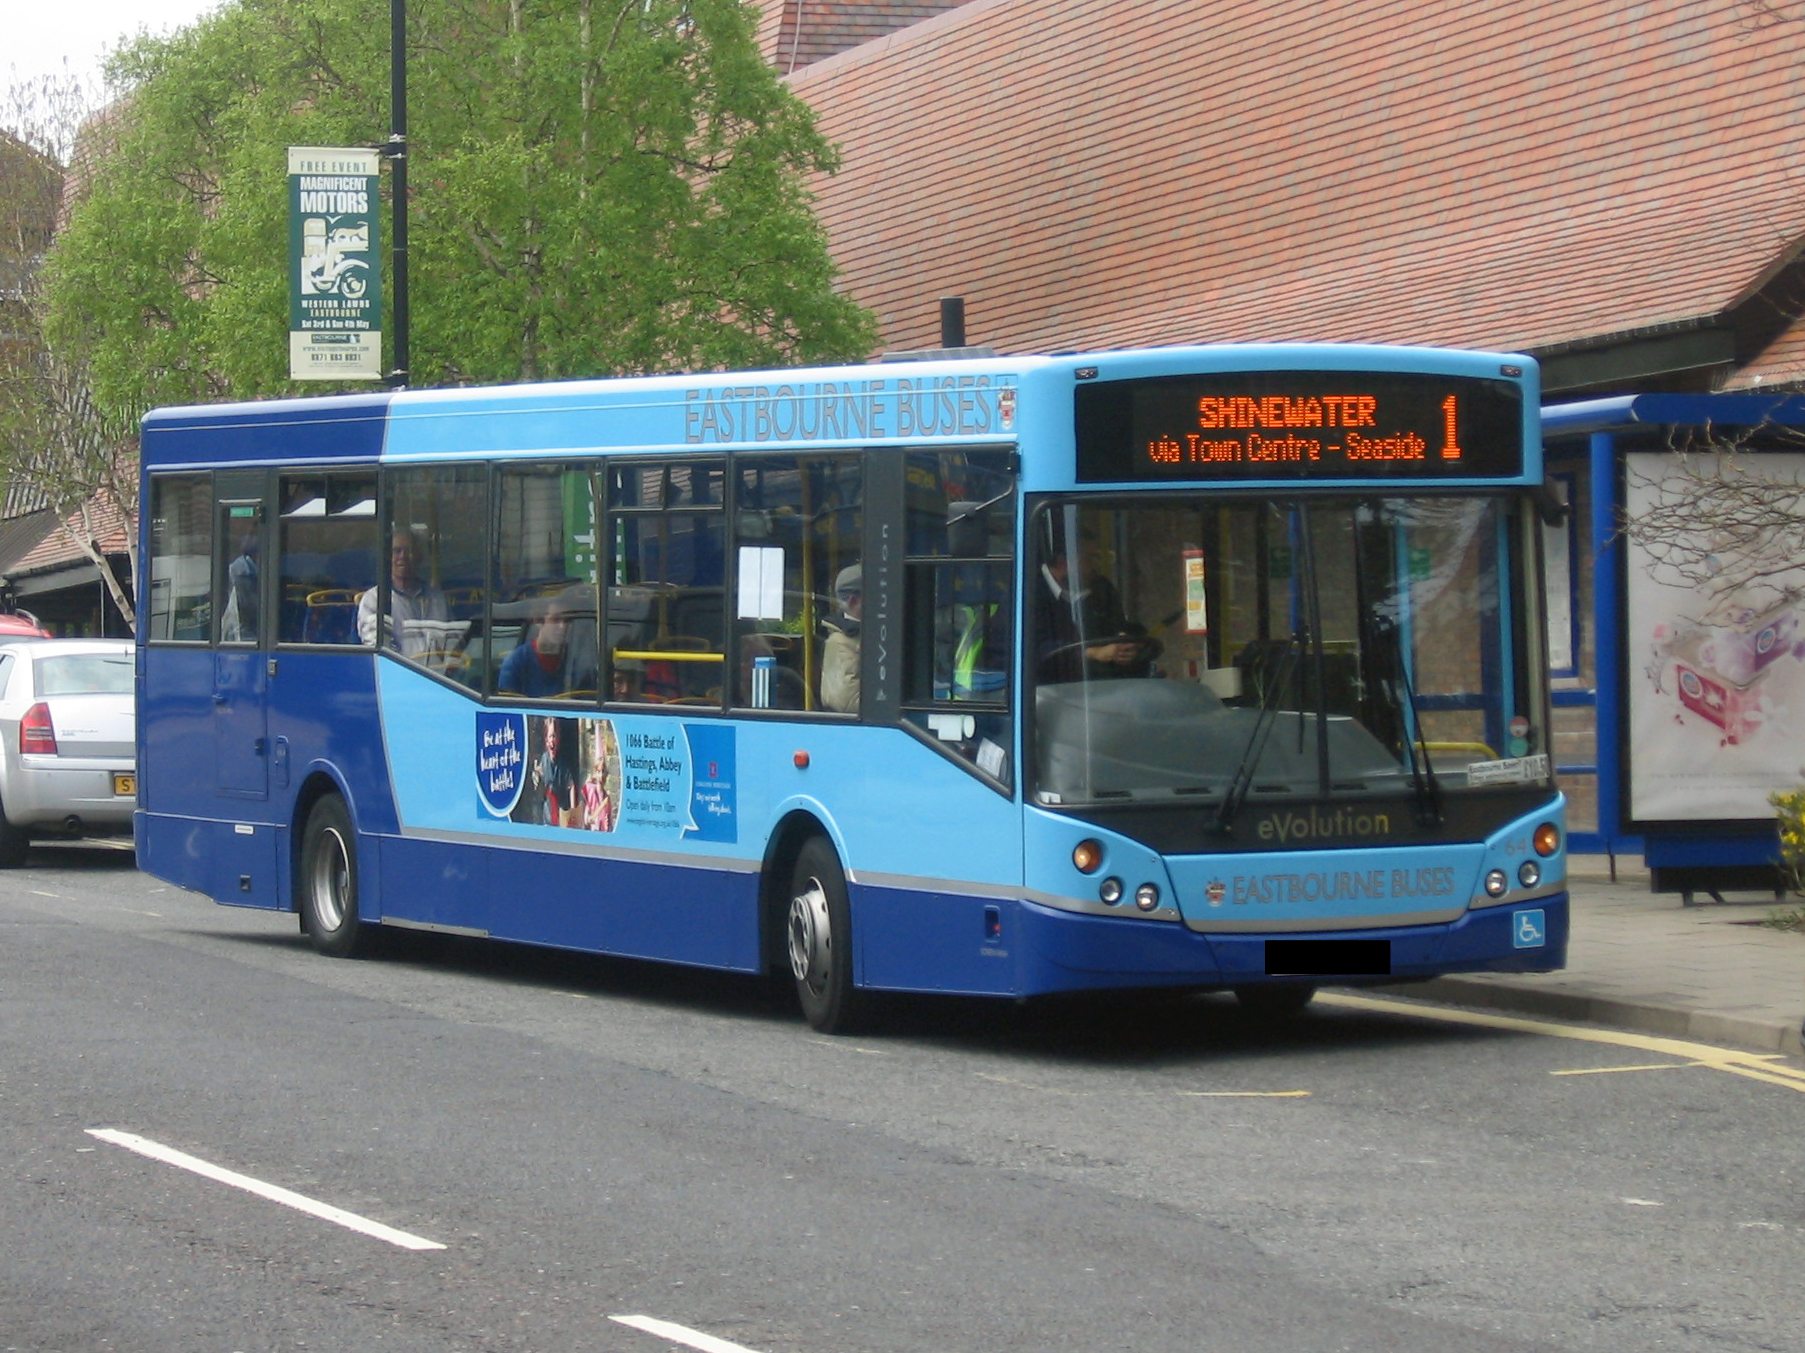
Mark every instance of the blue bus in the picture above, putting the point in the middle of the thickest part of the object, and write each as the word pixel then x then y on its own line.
pixel 1205 668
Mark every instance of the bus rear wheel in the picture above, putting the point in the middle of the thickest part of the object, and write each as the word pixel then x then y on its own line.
pixel 818 931
pixel 1276 998
pixel 328 881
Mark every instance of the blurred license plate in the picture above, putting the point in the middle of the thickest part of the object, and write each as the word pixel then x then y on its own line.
pixel 124 785
pixel 1328 958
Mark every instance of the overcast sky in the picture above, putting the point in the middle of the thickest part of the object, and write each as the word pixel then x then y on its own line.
pixel 41 34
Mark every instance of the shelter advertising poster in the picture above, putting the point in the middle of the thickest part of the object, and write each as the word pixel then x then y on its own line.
pixel 1716 661
pixel 335 274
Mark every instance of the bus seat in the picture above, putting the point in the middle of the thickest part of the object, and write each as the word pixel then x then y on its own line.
pixel 331 616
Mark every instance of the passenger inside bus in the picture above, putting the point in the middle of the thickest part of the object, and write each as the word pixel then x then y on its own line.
pixel 417 610
pixel 840 654
pixel 558 659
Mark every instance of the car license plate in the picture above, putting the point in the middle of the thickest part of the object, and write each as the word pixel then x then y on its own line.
pixel 125 786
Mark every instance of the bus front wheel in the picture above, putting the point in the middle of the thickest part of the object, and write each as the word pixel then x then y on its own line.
pixel 328 891
pixel 818 929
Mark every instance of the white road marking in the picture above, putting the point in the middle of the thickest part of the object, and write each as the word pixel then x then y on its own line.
pixel 39 892
pixel 1246 1094
pixel 841 1045
pixel 168 1155
pixel 679 1334
pixel 1025 1085
pixel 1642 1202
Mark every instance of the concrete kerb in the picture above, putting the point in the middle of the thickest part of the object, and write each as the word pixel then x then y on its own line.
pixel 1667 1021
pixel 1642 962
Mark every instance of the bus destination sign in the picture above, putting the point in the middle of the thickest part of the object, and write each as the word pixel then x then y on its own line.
pixel 1299 425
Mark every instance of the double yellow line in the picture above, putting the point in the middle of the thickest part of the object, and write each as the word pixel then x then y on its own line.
pixel 1758 1066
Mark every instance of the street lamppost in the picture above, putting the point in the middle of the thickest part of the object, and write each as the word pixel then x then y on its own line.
pixel 396 153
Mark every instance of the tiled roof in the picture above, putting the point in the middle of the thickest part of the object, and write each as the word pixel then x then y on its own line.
pixel 57 548
pixel 1519 174
pixel 797 33
pixel 21 535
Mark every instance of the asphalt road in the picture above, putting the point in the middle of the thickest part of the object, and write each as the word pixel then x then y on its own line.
pixel 590 1140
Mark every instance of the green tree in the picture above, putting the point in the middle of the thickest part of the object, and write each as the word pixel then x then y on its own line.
pixel 58 448
pixel 597 187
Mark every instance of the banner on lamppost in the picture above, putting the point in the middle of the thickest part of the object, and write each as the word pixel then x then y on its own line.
pixel 335 271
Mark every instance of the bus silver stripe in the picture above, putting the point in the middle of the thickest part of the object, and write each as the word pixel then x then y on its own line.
pixel 402 923
pixel 720 864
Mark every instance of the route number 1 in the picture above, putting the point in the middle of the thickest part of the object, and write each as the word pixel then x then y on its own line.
pixel 1450 447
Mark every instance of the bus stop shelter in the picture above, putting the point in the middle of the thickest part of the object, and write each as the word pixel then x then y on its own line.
pixel 1676 709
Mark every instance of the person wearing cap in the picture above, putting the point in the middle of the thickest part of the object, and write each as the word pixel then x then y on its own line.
pixel 840 656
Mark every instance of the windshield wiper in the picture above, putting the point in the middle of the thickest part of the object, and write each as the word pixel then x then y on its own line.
pixel 1422 772
pixel 1402 694
pixel 1242 784
pixel 1385 636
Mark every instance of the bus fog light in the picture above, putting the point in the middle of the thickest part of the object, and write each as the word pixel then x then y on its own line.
pixel 1529 873
pixel 1110 890
pixel 1087 856
pixel 1146 897
pixel 1497 883
pixel 1547 839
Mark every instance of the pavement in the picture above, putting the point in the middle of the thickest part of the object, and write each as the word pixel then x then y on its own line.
pixel 1647 962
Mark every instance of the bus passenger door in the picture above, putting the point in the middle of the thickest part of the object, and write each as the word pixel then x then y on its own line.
pixel 240 723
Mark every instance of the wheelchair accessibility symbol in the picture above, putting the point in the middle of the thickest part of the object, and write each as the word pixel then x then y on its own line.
pixel 1529 929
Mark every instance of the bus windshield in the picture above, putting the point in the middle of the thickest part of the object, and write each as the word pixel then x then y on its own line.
pixel 1216 650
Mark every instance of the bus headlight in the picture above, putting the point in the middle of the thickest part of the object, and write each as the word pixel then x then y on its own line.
pixel 1497 883
pixel 1110 890
pixel 1529 873
pixel 1146 897
pixel 1547 839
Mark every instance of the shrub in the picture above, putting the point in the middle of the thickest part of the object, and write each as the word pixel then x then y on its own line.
pixel 1789 809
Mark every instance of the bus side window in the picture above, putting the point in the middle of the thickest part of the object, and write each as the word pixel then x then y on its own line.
pixel 428 604
pixel 798 528
pixel 328 555
pixel 665 618
pixel 181 555
pixel 959 602
pixel 544 621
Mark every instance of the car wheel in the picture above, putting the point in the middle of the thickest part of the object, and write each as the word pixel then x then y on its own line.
pixel 15 843
pixel 328 881
pixel 1277 999
pixel 819 933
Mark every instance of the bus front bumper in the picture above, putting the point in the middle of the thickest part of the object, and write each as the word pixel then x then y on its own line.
pixel 1066 951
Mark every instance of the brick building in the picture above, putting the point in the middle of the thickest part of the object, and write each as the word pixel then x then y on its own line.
pixel 1611 189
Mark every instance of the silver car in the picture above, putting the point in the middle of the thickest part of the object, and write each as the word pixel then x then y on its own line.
pixel 68 764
